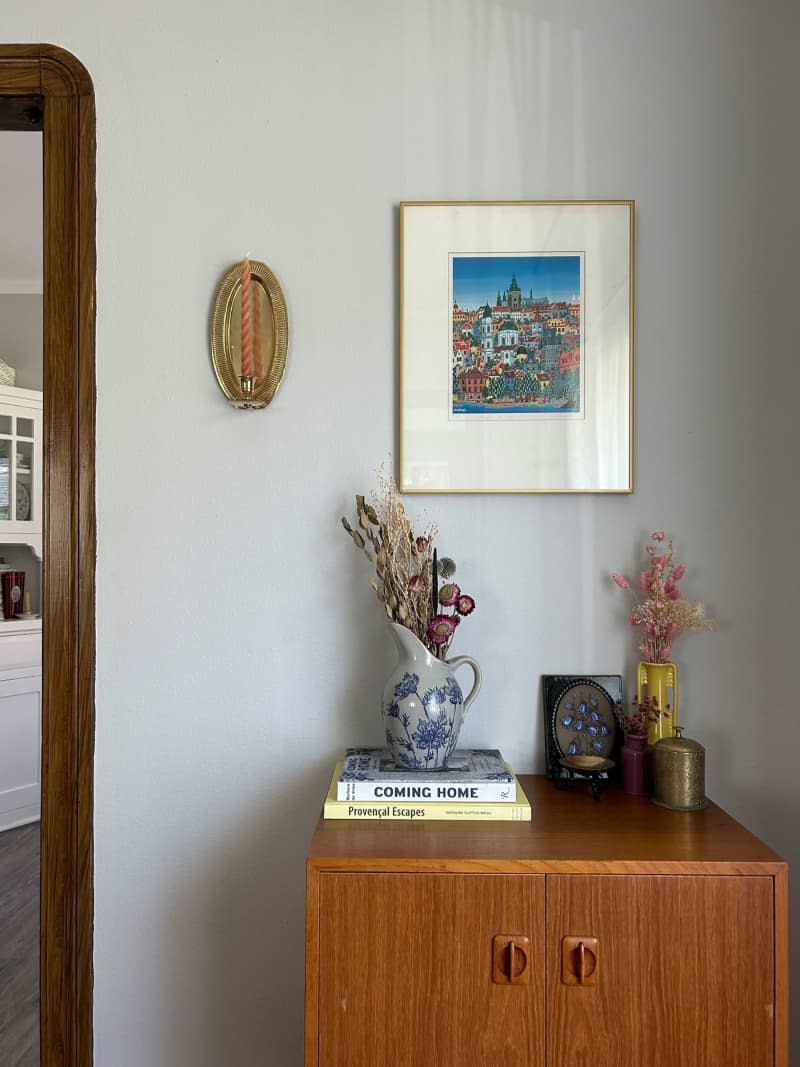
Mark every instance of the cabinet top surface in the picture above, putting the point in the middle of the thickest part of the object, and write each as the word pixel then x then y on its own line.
pixel 568 831
pixel 13 394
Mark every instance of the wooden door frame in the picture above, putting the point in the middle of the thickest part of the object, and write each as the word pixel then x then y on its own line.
pixel 68 651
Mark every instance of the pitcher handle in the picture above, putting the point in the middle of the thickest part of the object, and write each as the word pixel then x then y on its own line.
pixel 459 661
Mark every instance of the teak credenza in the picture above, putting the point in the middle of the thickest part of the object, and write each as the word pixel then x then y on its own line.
pixel 611 934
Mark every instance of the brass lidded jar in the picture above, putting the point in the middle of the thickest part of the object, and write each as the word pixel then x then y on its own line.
pixel 679 773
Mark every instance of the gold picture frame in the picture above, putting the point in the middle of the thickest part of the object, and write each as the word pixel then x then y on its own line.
pixel 226 349
pixel 516 346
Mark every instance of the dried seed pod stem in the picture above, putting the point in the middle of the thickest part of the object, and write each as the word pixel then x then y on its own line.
pixel 405 562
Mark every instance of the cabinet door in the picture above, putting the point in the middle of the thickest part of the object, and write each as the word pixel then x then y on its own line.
pixel 20 748
pixel 684 971
pixel 406 971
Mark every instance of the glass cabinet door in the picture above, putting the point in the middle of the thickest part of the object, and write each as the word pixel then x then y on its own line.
pixel 17 468
pixel 23 470
pixel 5 475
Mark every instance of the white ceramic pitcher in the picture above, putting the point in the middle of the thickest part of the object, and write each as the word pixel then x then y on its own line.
pixel 423 706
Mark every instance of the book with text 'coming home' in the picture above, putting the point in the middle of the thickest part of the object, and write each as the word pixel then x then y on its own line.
pixel 471 774
pixel 518 810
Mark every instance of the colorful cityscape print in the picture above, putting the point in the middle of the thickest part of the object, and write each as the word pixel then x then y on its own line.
pixel 516 334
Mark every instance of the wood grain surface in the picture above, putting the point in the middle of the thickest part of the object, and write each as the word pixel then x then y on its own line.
pixel 406 974
pixel 690 913
pixel 69 542
pixel 686 978
pixel 568 831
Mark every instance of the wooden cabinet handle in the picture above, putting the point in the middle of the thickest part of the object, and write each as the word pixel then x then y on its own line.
pixel 579 960
pixel 517 960
pixel 511 955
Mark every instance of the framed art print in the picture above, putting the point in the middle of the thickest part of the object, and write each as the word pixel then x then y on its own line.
pixel 580 718
pixel 516 346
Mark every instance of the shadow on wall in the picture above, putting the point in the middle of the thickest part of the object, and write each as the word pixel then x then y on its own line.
pixel 234 929
pixel 774 818
pixel 770 813
pixel 233 942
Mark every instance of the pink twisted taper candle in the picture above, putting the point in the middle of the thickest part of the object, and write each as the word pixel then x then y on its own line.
pixel 247 340
pixel 258 340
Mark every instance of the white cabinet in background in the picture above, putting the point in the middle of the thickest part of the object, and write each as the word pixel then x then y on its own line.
pixel 20 639
pixel 20 722
pixel 21 467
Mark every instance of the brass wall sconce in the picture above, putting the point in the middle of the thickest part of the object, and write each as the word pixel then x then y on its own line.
pixel 249 335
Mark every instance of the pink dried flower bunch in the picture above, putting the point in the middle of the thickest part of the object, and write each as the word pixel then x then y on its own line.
pixel 664 613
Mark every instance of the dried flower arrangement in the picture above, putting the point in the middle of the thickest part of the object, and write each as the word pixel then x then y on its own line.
pixel 408 570
pixel 645 712
pixel 664 614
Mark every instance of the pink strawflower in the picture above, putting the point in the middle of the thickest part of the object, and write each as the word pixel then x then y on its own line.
pixel 422 544
pixel 449 594
pixel 465 605
pixel 415 583
pixel 651 550
pixel 441 628
pixel 679 572
pixel 657 535
pixel 621 581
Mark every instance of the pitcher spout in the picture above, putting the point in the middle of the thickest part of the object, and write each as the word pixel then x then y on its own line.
pixel 408 644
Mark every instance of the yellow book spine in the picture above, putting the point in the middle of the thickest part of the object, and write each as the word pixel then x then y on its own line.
pixel 343 809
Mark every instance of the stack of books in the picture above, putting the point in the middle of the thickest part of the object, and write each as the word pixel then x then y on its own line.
pixel 477 784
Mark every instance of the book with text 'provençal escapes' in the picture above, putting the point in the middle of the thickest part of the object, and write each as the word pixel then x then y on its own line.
pixel 471 774
pixel 518 810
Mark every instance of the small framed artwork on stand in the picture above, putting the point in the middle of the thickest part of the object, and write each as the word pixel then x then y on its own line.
pixel 580 720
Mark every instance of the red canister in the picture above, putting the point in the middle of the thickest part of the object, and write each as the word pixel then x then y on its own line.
pixel 13 588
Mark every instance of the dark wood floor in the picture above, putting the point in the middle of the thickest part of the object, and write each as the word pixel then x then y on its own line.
pixel 19 947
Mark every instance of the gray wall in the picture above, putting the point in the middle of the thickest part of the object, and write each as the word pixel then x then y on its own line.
pixel 768 787
pixel 21 337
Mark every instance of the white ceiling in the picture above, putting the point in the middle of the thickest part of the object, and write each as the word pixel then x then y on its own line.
pixel 20 212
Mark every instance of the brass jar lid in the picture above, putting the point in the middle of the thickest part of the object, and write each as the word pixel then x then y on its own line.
pixel 680 743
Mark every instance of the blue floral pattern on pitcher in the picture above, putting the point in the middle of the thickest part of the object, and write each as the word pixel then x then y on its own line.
pixel 427 740
pixel 423 706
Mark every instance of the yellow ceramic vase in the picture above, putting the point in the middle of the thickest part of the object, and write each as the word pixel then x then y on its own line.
pixel 659 680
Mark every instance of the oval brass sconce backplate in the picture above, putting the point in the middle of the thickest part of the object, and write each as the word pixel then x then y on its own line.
pixel 226 335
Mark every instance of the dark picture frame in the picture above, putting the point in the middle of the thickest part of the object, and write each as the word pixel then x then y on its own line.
pixel 580 718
